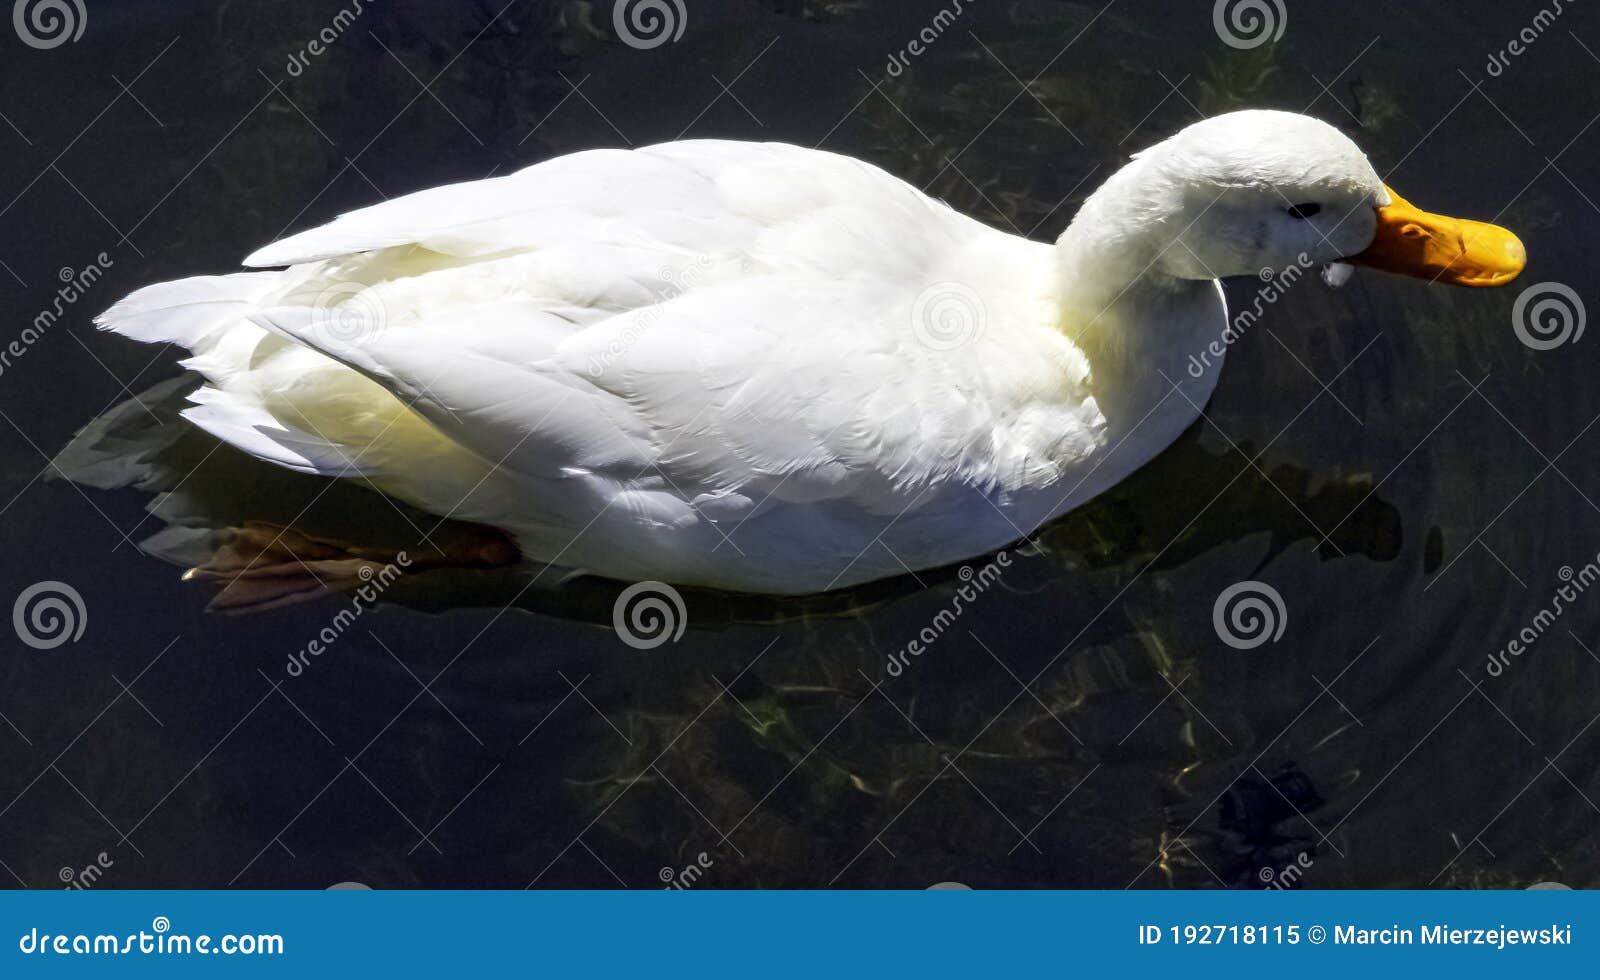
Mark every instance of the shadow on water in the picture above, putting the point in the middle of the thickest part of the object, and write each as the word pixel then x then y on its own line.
pixel 205 490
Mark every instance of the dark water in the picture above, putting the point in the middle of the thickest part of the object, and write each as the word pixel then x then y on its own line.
pixel 1406 473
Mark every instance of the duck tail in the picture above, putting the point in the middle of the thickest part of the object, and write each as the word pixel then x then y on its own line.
pixel 190 312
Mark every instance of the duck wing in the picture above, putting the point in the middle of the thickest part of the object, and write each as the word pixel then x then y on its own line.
pixel 681 333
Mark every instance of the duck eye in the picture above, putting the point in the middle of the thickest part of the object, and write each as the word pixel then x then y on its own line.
pixel 1303 211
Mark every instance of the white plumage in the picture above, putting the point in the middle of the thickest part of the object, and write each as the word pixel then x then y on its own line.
pixel 746 366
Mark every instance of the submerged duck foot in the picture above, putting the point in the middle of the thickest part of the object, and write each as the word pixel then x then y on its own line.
pixel 262 566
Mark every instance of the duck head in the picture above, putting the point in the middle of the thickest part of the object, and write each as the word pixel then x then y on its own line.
pixel 1255 190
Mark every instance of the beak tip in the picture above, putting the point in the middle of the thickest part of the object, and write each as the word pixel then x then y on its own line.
pixel 1505 267
pixel 1516 256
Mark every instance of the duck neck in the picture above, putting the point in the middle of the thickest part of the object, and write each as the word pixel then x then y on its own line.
pixel 1132 319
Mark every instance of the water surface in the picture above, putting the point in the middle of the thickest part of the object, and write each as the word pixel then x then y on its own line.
pixel 1408 474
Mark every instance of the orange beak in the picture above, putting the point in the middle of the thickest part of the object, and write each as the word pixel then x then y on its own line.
pixel 1413 242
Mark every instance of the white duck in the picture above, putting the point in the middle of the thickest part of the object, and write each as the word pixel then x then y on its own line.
pixel 765 368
